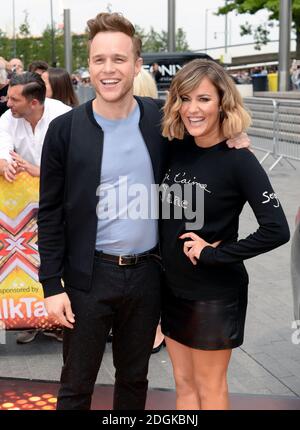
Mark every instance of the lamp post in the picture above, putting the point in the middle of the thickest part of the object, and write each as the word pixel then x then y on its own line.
pixel 171 26
pixel 226 30
pixel 206 26
pixel 206 20
pixel 68 40
pixel 53 59
pixel 284 44
pixel 14 29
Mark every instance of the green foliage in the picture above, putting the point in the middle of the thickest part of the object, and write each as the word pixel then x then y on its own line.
pixel 261 32
pixel 155 41
pixel 30 48
pixel 181 42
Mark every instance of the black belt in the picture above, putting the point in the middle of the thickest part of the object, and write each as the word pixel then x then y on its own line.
pixel 128 260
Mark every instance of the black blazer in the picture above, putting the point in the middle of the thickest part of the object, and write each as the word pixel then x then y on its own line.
pixel 70 176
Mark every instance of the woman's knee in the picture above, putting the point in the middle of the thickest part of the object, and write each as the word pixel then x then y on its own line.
pixel 185 383
pixel 212 384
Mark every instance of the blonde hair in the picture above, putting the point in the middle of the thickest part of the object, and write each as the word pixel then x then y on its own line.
pixel 144 85
pixel 233 117
pixel 3 72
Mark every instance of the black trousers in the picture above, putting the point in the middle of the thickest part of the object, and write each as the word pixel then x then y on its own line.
pixel 126 299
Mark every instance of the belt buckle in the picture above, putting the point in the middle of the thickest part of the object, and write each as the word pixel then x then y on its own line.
pixel 127 256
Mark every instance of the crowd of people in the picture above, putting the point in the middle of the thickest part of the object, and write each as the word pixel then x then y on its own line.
pixel 103 272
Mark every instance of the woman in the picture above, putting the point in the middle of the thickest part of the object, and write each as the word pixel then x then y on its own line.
pixel 59 86
pixel 205 298
pixel 144 85
pixel 3 86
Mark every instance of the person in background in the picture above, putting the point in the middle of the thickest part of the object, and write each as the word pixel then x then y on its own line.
pixel 3 86
pixel 85 79
pixel 15 65
pixel 22 131
pixel 38 66
pixel 75 79
pixel 59 86
pixel 144 85
pixel 155 72
pixel 206 283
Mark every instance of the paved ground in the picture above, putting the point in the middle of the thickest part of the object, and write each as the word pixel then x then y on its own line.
pixel 267 363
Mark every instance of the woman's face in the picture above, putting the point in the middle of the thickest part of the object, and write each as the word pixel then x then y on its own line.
pixel 200 112
pixel 49 92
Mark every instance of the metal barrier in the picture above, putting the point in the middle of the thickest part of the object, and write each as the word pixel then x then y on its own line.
pixel 275 128
pixel 84 93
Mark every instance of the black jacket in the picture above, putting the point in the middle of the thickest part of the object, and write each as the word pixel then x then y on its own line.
pixel 70 175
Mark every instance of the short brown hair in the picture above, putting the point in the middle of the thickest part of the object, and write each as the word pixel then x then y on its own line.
pixel 233 118
pixel 114 22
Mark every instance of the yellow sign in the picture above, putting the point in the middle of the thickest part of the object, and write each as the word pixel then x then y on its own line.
pixel 21 295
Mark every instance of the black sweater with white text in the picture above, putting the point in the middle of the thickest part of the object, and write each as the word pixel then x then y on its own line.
pixel 226 179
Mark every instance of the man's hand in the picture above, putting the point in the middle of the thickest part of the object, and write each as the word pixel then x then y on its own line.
pixel 59 307
pixel 240 141
pixel 25 166
pixel 10 171
pixel 194 247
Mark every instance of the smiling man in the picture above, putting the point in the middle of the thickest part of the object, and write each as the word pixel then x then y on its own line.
pixel 24 125
pixel 110 265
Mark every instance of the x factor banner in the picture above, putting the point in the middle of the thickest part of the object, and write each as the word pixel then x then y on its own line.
pixel 21 295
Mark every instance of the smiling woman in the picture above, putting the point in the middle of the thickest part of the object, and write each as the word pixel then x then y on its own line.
pixel 205 83
pixel 206 283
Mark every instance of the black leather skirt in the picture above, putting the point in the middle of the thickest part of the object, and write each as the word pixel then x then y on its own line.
pixel 208 324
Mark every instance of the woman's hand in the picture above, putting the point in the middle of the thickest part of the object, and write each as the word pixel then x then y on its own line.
pixel 193 248
pixel 242 140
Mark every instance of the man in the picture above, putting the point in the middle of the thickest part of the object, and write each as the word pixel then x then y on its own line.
pixel 38 66
pixel 22 131
pixel 24 125
pixel 156 72
pixel 15 65
pixel 110 265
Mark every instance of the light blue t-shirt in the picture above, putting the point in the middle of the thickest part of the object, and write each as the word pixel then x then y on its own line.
pixel 127 196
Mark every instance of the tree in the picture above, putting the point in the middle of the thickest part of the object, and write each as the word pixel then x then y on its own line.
pixel 155 41
pixel 25 48
pixel 181 42
pixel 261 32
pixel 31 48
pixel 5 45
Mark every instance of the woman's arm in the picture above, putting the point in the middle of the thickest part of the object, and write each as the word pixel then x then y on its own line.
pixel 273 230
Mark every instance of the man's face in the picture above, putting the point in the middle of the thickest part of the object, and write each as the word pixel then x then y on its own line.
pixel 20 106
pixel 16 66
pixel 113 66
